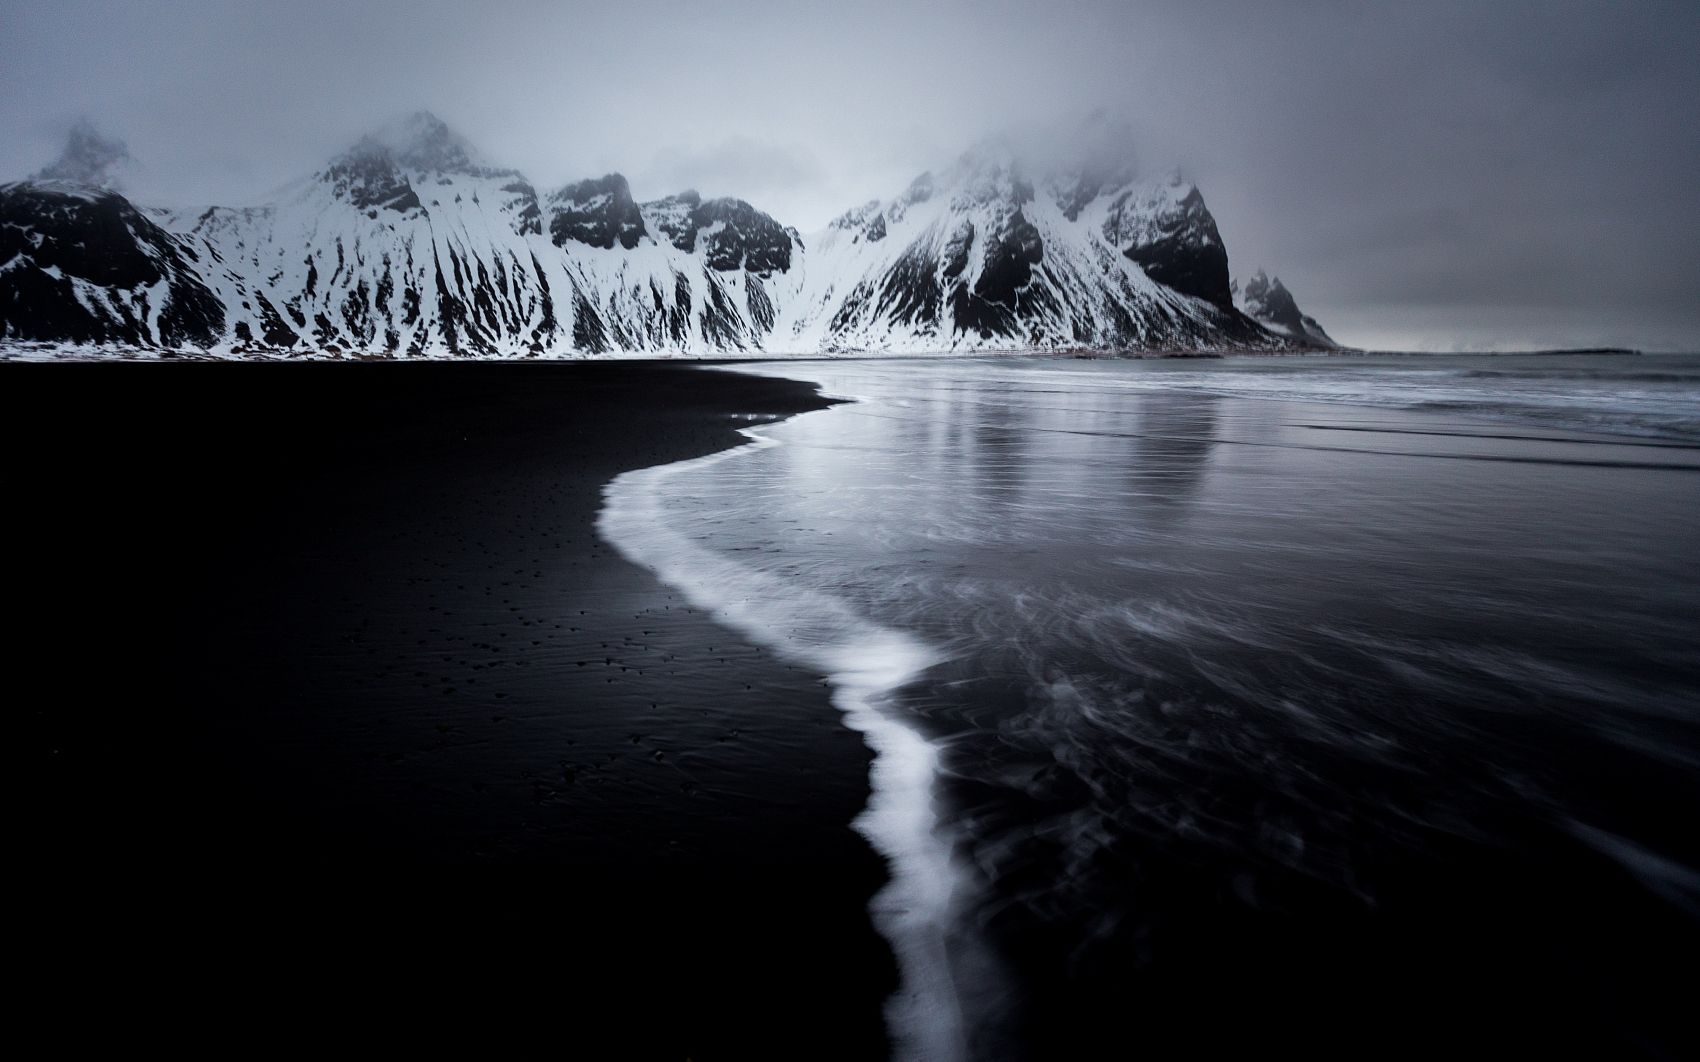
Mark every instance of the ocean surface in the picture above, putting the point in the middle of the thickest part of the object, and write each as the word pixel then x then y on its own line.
pixel 1349 704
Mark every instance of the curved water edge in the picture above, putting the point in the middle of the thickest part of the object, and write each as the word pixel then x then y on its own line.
pixel 864 663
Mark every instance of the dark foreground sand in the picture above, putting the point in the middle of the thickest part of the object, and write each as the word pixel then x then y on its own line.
pixel 334 707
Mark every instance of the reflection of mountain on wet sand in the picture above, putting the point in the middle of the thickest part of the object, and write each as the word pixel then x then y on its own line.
pixel 1175 434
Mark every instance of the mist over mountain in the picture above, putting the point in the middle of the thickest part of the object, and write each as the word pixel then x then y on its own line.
pixel 410 243
pixel 89 159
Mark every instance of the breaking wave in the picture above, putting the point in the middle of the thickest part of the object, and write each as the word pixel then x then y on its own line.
pixel 865 663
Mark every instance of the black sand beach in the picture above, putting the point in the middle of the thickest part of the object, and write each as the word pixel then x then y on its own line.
pixel 335 707
pixel 1340 707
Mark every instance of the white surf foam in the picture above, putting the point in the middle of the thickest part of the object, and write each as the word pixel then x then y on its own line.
pixel 865 663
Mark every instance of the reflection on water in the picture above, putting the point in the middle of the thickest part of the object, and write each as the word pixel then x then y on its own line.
pixel 1257 706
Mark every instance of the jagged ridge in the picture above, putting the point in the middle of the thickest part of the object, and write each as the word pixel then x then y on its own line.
pixel 410 245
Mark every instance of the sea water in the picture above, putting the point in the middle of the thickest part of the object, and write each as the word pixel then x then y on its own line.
pixel 1227 702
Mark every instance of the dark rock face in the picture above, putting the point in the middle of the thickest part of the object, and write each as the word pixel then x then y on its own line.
pixel 734 234
pixel 910 293
pixel 957 249
pixel 674 218
pixel 1272 302
pixel 528 216
pixel 53 236
pixel 369 178
pixel 1179 248
pixel 275 332
pixel 92 235
pixel 748 239
pixel 598 213
pixel 1187 268
pixel 993 307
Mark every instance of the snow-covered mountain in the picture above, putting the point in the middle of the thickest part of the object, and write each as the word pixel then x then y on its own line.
pixel 1267 301
pixel 80 265
pixel 409 244
pixel 984 256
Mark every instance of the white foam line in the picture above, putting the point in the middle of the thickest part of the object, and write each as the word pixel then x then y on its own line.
pixel 864 663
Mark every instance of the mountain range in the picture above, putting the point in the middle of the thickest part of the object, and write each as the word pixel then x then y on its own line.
pixel 411 245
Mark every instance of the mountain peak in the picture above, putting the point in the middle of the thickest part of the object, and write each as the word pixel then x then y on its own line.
pixel 89 158
pixel 614 184
pixel 1079 159
pixel 406 244
pixel 1262 286
pixel 421 141
pixel 988 159
pixel 989 172
pixel 1267 300
pixel 598 212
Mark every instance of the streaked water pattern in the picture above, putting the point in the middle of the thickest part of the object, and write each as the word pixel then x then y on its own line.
pixel 1366 656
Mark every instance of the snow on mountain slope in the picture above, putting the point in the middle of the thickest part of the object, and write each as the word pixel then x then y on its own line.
pixel 405 244
pixel 981 257
pixel 674 275
pixel 410 245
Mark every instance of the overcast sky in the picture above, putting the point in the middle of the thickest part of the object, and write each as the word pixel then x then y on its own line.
pixel 1491 173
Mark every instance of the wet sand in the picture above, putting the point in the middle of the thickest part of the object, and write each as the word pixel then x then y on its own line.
pixel 347 711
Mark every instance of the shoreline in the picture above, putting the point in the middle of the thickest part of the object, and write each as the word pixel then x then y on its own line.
pixel 326 590
pixel 866 665
pixel 21 355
